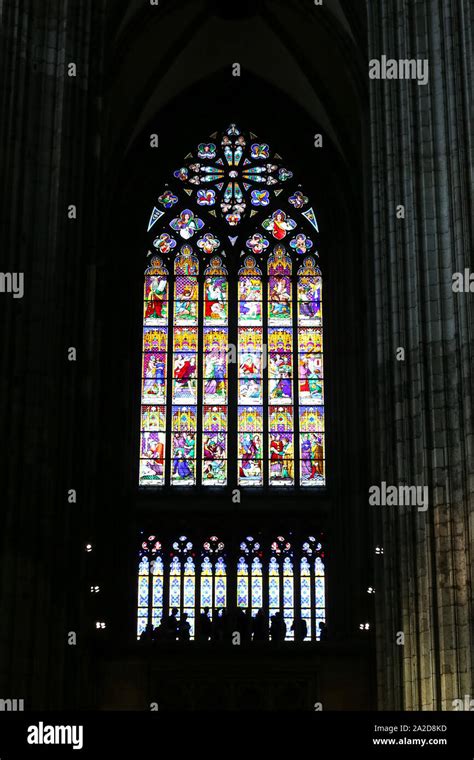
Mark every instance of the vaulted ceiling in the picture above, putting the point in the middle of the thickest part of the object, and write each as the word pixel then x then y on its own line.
pixel 314 55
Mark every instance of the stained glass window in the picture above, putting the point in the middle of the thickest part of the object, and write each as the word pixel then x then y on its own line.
pixel 280 368
pixel 233 337
pixel 213 577
pixel 150 585
pixel 215 374
pixel 249 576
pixel 281 600
pixel 306 601
pixel 250 375
pixel 154 366
pixel 143 601
pixel 184 390
pixel 182 581
pixel 270 577
pixel 311 374
pixel 313 587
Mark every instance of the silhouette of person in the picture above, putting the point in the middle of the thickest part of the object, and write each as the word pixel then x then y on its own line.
pixel 205 625
pixel 218 626
pixel 244 625
pixel 223 625
pixel 184 628
pixel 300 628
pixel 171 625
pixel 323 631
pixel 259 627
pixel 278 627
pixel 147 634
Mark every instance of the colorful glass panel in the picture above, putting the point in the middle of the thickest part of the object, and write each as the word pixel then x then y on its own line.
pixel 143 602
pixel 213 577
pixel 183 578
pixel 233 177
pixel 280 370
pixel 257 585
pixel 242 583
pixel 305 576
pixel 288 597
pixel 220 585
pixel 183 445
pixel 281 450
pixel 250 445
pixel 320 595
pixel 215 375
pixel 154 369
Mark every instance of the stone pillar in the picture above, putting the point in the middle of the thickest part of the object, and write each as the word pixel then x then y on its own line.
pixel 49 161
pixel 421 415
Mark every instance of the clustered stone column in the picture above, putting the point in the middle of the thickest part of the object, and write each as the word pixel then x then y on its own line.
pixel 421 414
pixel 48 162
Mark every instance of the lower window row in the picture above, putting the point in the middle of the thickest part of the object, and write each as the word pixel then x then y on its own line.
pixel 211 591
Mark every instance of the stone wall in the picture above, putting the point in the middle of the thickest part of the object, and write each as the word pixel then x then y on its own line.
pixel 421 416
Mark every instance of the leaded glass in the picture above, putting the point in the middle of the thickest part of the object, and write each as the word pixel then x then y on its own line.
pixel 242 583
pixel 305 592
pixel 213 576
pixel 216 297
pixel 250 445
pixel 320 594
pixel 257 585
pixel 175 583
pixel 183 447
pixel 313 599
pixel 274 586
pixel 220 584
pixel 157 591
pixel 189 592
pixel 206 583
pixel 263 575
pixel 250 549
pixel 215 376
pixel 143 603
pixel 214 445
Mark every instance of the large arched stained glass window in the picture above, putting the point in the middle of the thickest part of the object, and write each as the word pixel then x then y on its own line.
pixel 233 387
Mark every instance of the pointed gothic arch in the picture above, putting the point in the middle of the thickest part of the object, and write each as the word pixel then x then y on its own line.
pixel 233 380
